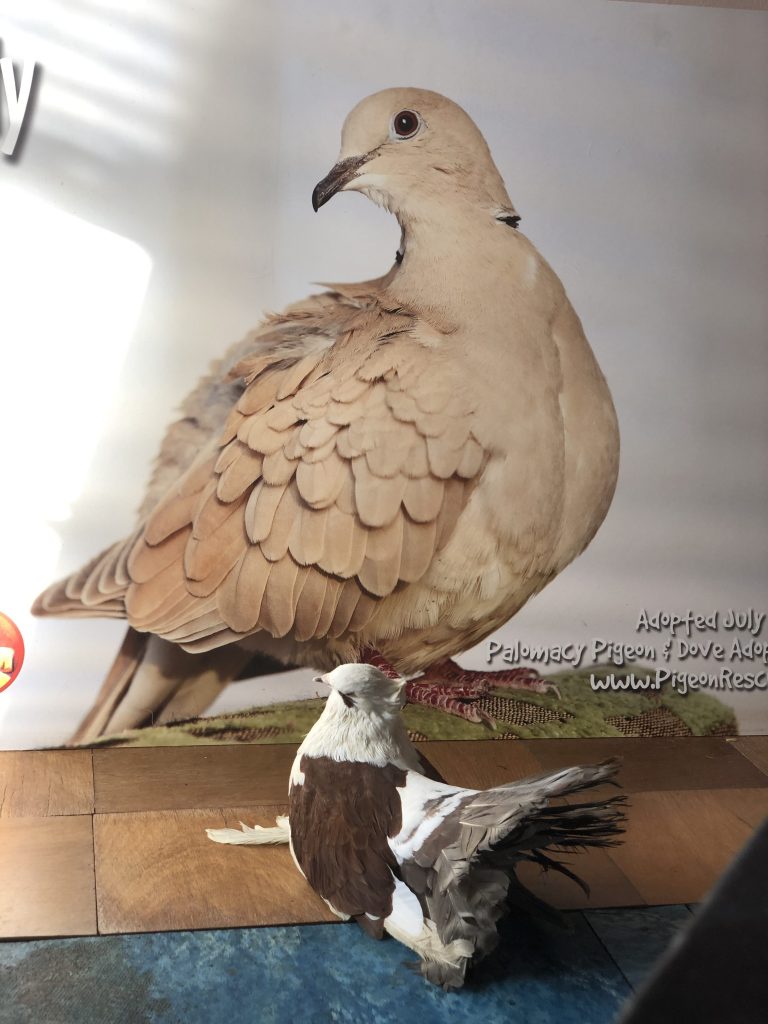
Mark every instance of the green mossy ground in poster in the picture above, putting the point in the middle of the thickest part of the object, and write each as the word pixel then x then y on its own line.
pixel 580 711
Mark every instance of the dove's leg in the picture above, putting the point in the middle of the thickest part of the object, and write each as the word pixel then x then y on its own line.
pixel 153 681
pixel 370 656
pixel 450 674
pixel 433 695
pixel 454 698
pixel 448 687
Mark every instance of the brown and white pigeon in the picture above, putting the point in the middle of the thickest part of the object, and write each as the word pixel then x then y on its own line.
pixel 431 864
pixel 388 470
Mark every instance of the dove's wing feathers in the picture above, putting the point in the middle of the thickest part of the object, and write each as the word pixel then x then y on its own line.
pixel 338 475
pixel 98 588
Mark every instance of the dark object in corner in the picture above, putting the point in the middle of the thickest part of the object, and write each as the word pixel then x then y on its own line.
pixel 718 970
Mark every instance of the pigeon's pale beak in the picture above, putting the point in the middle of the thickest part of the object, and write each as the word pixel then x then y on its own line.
pixel 320 679
pixel 339 176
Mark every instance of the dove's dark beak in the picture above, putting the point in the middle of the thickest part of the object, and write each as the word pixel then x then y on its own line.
pixel 339 176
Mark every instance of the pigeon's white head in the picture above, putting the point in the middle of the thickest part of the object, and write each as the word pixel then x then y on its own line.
pixel 361 721
pixel 410 150
pixel 364 690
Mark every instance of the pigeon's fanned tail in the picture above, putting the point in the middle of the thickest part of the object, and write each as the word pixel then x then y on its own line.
pixel 536 829
pixel 468 880
pixel 563 829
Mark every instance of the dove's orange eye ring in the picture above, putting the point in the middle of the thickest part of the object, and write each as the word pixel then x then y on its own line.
pixel 405 124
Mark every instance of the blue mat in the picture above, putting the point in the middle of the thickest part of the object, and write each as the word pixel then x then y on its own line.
pixel 313 973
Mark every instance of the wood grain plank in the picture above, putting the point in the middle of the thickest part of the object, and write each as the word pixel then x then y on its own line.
pixel 755 749
pixel 479 764
pixel 164 778
pixel 679 843
pixel 749 805
pixel 608 885
pixel 158 871
pixel 47 883
pixel 44 783
pixel 654 764
pixel 156 778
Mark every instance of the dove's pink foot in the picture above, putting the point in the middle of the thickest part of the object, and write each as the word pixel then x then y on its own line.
pixel 524 678
pixel 449 687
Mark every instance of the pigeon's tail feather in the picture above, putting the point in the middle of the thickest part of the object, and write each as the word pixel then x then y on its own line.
pixel 472 881
pixel 253 835
pixel 576 826
pixel 448 976
pixel 442 963
pixel 538 789
pixel 545 829
pixel 567 825
pixel 506 813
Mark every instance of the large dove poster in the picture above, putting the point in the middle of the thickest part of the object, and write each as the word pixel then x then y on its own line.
pixel 537 228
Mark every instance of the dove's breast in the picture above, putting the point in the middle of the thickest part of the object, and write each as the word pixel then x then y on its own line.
pixel 545 415
pixel 590 439
pixel 545 418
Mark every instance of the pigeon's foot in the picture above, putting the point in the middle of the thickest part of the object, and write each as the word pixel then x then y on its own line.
pixel 449 687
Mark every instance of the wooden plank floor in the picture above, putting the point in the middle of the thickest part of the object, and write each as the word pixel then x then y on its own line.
pixel 113 840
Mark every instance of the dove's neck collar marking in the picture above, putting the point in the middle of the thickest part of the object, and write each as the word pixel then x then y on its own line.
pixel 454 248
pixel 351 734
pixel 506 217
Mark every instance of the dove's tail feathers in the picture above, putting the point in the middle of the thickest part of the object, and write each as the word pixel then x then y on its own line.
pixel 153 681
pixel 97 589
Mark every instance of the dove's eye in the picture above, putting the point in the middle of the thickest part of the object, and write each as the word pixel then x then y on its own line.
pixel 406 124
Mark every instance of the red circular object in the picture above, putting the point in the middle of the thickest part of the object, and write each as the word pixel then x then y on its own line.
pixel 11 651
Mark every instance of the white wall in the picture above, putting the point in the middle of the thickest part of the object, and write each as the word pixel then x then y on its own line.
pixel 161 203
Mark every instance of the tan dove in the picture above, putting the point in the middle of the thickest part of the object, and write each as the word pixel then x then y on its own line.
pixel 385 472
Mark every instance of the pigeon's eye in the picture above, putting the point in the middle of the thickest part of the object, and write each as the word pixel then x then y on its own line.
pixel 406 124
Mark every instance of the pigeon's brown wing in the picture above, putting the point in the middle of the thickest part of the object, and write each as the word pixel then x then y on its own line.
pixel 342 816
pixel 337 478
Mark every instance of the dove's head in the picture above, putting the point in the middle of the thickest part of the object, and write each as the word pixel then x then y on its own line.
pixel 363 690
pixel 411 150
